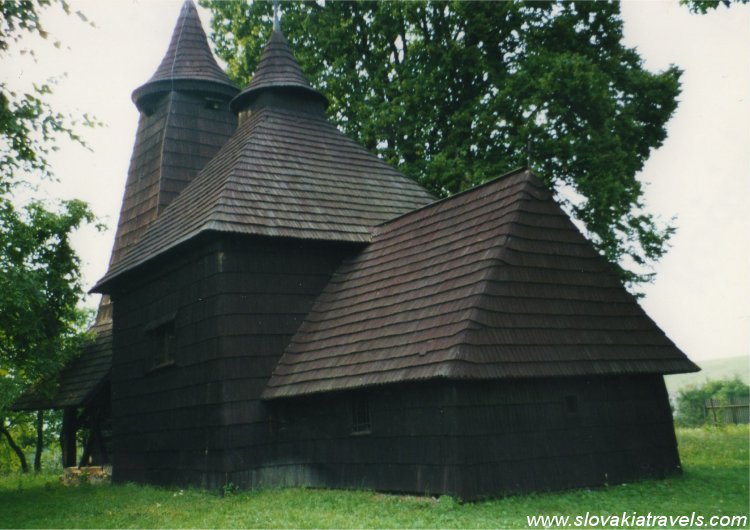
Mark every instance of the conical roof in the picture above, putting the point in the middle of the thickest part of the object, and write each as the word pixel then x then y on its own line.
pixel 278 70
pixel 189 63
pixel 493 283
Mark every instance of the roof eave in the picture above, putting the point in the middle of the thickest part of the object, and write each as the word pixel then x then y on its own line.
pixel 153 88
pixel 245 98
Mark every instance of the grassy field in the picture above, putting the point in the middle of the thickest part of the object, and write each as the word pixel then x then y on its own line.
pixel 715 481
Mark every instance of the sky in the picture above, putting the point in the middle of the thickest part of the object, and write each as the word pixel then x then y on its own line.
pixel 700 176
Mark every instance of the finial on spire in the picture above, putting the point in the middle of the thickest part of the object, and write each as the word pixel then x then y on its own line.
pixel 276 24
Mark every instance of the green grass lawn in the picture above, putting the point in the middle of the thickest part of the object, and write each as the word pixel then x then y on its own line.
pixel 715 481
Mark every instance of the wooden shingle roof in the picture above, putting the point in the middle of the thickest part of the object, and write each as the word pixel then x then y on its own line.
pixel 286 172
pixel 493 283
pixel 277 69
pixel 188 63
pixel 80 380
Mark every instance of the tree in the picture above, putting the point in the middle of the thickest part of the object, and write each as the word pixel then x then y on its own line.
pixel 702 7
pixel 29 127
pixel 41 325
pixel 457 93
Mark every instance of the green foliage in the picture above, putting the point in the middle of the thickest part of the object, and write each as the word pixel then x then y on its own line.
pixel 29 127
pixel 455 93
pixel 704 6
pixel 715 481
pixel 691 399
pixel 230 488
pixel 41 326
pixel 21 427
pixel 40 287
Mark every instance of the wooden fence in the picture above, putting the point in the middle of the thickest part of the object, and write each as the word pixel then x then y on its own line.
pixel 737 410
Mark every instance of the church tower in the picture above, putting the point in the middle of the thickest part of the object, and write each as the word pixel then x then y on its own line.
pixel 184 120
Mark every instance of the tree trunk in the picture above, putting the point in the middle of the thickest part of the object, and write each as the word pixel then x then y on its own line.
pixel 16 449
pixel 39 440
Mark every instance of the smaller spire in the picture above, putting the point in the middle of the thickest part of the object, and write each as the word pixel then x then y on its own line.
pixel 279 72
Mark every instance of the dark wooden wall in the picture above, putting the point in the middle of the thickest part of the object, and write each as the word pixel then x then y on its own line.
pixel 520 436
pixel 178 133
pixel 236 303
pixel 410 447
pixel 477 439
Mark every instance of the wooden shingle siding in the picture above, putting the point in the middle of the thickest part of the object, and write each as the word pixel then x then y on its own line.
pixel 229 336
pixel 277 71
pixel 178 133
pixel 172 145
pixel 476 439
pixel 493 283
pixel 299 313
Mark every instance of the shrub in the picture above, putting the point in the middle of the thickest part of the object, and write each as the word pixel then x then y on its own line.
pixel 691 400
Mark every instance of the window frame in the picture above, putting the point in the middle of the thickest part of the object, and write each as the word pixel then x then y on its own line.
pixel 162 343
pixel 361 416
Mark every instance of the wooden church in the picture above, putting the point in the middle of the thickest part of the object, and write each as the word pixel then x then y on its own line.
pixel 284 308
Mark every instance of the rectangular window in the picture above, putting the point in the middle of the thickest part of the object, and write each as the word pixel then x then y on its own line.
pixel 163 343
pixel 360 415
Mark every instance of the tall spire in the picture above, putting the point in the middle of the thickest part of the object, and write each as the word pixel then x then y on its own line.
pixel 188 63
pixel 185 119
pixel 278 72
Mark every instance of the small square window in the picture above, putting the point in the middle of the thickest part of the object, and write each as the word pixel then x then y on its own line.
pixel 360 415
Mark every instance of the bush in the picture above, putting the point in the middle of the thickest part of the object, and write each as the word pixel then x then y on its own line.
pixel 691 400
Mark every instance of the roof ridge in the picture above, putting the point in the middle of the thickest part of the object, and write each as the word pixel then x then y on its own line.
pixel 493 274
pixel 498 253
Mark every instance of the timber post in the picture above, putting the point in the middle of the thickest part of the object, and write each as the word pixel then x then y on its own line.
pixel 68 437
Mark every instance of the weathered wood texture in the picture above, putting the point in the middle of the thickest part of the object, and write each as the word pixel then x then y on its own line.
pixel 188 63
pixel 475 439
pixel 495 282
pixel 282 174
pixel 235 304
pixel 285 172
pixel 277 70
pixel 175 141
pixel 184 120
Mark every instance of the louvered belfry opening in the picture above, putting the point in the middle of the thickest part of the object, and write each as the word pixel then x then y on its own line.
pixel 318 318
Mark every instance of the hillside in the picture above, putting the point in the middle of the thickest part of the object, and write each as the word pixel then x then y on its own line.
pixel 727 368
